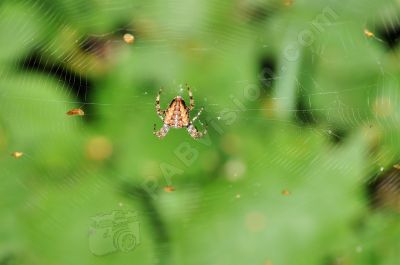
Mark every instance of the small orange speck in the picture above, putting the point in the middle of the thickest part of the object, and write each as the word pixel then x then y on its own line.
pixel 286 192
pixel 129 38
pixel 17 154
pixel 76 112
pixel 368 33
pixel 169 188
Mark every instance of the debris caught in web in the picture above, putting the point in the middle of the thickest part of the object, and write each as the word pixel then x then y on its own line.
pixel 17 154
pixel 128 38
pixel 169 188
pixel 76 112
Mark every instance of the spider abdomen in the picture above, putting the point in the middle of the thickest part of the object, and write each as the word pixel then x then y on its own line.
pixel 177 115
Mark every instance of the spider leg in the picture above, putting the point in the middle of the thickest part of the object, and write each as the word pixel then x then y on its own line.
pixel 160 112
pixel 190 97
pixel 192 130
pixel 198 114
pixel 162 132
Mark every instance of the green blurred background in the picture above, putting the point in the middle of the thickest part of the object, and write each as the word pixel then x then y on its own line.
pixel 299 165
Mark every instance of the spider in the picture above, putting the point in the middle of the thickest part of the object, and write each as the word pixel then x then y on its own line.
pixel 177 116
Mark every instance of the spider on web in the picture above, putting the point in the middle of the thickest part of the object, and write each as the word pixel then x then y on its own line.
pixel 177 115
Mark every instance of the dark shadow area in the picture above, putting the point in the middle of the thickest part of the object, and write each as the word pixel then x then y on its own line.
pixel 79 85
pixel 390 34
pixel 266 76
pixel 94 45
pixel 303 114
pixel 337 135
pixel 384 191
pixel 149 211
pixel 256 12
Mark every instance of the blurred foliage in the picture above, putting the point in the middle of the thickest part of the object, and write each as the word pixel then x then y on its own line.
pixel 298 167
